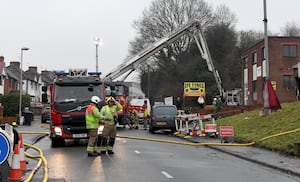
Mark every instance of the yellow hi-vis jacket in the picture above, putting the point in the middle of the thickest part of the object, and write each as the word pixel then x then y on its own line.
pixel 92 116
pixel 108 113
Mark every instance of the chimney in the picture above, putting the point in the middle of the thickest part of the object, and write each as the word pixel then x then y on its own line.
pixel 32 69
pixel 2 63
pixel 15 64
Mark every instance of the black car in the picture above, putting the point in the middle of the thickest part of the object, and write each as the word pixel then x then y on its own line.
pixel 163 117
pixel 45 115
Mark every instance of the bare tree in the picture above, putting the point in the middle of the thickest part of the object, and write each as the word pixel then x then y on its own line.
pixel 163 17
pixel 249 38
pixel 224 16
pixel 291 29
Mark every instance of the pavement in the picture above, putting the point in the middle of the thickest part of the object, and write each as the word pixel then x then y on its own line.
pixel 274 160
pixel 285 163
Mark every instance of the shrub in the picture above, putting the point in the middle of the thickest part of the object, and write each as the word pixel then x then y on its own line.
pixel 11 102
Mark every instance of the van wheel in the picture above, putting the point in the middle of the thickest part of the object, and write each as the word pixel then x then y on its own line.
pixel 151 129
pixel 173 130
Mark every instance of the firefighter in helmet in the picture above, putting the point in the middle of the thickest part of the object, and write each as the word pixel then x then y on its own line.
pixel 109 114
pixel 133 119
pixel 92 116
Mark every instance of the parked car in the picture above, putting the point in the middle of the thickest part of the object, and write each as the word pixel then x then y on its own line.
pixel 45 115
pixel 163 117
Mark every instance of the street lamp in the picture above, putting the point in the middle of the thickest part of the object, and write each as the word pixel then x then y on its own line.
pixel 98 42
pixel 21 83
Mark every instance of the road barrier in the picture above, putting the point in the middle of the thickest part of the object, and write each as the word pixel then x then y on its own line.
pixel 195 125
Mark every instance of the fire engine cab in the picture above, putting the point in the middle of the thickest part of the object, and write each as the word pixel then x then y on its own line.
pixel 70 95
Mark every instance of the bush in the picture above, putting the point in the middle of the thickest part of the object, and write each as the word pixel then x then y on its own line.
pixel 11 102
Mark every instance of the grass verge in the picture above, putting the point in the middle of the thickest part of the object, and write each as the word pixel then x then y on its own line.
pixel 250 126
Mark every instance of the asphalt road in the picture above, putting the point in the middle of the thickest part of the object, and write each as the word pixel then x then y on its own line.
pixel 141 160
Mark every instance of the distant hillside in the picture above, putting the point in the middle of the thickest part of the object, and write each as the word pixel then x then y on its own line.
pixel 250 126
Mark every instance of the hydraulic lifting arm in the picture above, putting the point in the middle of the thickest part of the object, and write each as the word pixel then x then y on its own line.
pixel 194 28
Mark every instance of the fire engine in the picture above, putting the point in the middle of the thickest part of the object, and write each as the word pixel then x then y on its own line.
pixel 70 95
pixel 121 93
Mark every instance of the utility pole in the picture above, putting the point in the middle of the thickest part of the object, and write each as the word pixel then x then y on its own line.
pixel 266 42
pixel 266 53
pixel 148 86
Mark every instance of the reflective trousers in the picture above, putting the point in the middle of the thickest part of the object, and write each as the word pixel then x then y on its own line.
pixel 91 147
pixel 108 138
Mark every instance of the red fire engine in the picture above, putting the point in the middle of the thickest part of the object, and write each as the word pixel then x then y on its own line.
pixel 70 95
pixel 120 92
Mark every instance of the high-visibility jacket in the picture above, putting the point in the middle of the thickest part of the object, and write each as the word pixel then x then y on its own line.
pixel 92 116
pixel 110 113
pixel 146 113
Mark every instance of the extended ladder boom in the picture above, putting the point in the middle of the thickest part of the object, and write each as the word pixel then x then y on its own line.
pixel 193 27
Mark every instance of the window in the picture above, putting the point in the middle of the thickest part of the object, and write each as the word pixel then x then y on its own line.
pixel 289 51
pixel 254 58
pixel 254 90
pixel 263 53
pixel 288 81
pixel 245 62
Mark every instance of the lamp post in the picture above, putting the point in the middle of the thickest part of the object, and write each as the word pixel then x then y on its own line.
pixel 21 83
pixel 98 42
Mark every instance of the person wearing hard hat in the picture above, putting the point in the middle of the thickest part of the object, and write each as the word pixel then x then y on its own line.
pixel 214 106
pixel 92 117
pixel 133 119
pixel 109 112
pixel 145 114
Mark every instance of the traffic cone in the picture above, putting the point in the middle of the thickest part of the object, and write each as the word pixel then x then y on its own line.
pixel 22 154
pixel 15 173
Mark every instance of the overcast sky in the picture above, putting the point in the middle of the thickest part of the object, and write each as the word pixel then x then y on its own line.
pixel 60 33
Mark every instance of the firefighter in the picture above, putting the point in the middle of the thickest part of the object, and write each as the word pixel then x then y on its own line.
pixel 109 113
pixel 145 114
pixel 133 120
pixel 92 116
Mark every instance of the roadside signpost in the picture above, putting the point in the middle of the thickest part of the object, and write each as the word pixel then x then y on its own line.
pixel 228 132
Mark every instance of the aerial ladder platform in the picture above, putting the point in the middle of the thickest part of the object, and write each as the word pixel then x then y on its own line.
pixel 192 28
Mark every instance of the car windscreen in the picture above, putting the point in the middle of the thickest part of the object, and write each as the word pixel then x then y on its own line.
pixel 76 93
pixel 164 110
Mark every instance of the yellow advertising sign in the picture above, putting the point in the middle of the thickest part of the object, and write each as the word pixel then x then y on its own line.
pixel 194 89
pixel 274 85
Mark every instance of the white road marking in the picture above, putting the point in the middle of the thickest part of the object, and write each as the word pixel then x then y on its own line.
pixel 137 152
pixel 124 141
pixel 167 174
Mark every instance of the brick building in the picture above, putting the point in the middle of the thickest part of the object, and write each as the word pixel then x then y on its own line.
pixel 284 54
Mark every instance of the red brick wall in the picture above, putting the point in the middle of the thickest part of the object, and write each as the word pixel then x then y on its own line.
pixel 278 66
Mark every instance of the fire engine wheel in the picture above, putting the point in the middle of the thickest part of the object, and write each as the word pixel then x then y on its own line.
pixel 57 142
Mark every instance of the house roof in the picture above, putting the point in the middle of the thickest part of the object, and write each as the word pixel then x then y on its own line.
pixel 13 72
pixel 31 75
pixel 47 77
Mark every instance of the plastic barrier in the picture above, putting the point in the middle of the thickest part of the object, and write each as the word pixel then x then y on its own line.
pixel 193 125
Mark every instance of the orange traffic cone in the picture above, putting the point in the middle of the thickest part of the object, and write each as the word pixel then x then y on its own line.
pixel 22 154
pixel 15 173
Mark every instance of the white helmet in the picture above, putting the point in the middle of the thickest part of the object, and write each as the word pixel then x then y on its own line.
pixel 95 99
